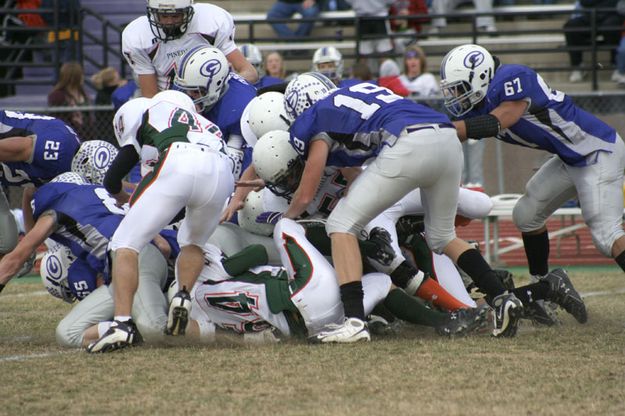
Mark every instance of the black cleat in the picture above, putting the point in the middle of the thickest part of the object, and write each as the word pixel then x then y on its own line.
pixel 564 294
pixel 463 321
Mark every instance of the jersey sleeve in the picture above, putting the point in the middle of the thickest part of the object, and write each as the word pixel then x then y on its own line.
pixel 82 279
pixel 516 86
pixel 136 56
pixel 224 39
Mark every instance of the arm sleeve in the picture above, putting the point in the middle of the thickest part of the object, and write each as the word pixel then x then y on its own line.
pixel 250 256
pixel 123 163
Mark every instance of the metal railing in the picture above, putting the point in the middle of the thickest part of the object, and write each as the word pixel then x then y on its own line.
pixel 462 29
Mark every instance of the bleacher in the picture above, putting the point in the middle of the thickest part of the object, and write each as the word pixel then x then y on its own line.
pixel 527 33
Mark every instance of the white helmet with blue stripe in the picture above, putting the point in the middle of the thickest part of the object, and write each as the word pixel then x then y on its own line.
pixel 203 74
pixel 54 271
pixel 304 91
pixel 466 72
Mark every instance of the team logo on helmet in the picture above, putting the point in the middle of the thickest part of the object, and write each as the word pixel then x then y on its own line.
pixel 290 102
pixel 210 68
pixel 53 266
pixel 473 59
pixel 102 157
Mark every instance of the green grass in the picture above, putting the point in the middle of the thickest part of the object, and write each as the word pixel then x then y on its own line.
pixel 568 370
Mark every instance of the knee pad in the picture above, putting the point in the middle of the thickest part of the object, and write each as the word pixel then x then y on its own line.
pixel 438 243
pixel 67 336
pixel 524 215
pixel 8 233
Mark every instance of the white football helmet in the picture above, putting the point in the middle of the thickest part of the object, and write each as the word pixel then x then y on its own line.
pixel 93 159
pixel 277 163
pixel 70 177
pixel 466 72
pixel 128 118
pixel 252 208
pixel 54 271
pixel 328 55
pixel 177 98
pixel 267 113
pixel 304 91
pixel 203 74
pixel 253 56
pixel 169 19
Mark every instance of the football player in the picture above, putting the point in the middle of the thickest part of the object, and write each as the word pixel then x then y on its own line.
pixel 302 298
pixel 219 95
pixel 83 217
pixel 153 44
pixel 193 172
pixel 514 104
pixel 408 146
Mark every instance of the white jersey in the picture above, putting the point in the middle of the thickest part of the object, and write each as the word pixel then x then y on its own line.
pixel 210 25
pixel 425 85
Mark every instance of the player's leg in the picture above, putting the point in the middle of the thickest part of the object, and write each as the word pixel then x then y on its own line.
pixel 8 226
pixel 312 279
pixel 212 183
pixel 95 308
pixel 600 191
pixel 149 308
pixel 545 192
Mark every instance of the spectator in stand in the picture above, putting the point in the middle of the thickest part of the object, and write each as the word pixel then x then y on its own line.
pixel 484 23
pixel 285 9
pixel 407 28
pixel 106 81
pixel 360 72
pixel 373 29
pixel 255 58
pixel 415 78
pixel 69 91
pixel 618 75
pixel 69 25
pixel 606 23
pixel 274 66
pixel 389 78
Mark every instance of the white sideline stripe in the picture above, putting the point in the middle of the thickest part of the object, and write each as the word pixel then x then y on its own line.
pixel 41 355
pixel 24 295
pixel 604 293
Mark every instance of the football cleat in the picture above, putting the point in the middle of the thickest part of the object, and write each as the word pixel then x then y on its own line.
pixel 541 312
pixel 352 330
pixel 507 312
pixel 119 335
pixel 463 321
pixel 564 294
pixel 179 311
pixel 380 326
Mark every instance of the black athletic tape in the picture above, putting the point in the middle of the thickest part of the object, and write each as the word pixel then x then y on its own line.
pixel 479 127
pixel 1 287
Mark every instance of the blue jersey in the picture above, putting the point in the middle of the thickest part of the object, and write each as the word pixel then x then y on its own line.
pixel 226 113
pixel 350 82
pixel 55 146
pixel 81 278
pixel 267 81
pixel 357 122
pixel 86 216
pixel 552 122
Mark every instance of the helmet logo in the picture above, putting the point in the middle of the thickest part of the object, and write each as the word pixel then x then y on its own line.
pixel 53 266
pixel 101 157
pixel 210 69
pixel 291 102
pixel 473 59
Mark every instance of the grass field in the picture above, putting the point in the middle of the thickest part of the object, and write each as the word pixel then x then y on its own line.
pixel 568 370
